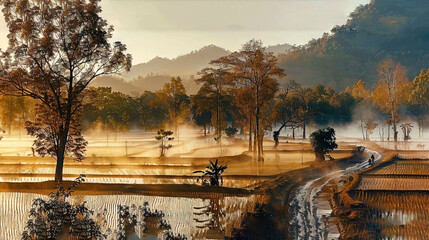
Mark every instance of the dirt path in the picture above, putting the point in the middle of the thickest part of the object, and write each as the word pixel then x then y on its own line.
pixel 309 219
pixel 293 207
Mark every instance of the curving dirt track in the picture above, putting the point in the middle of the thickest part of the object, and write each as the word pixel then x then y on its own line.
pixel 309 220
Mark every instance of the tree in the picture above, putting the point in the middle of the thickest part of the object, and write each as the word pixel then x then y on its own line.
pixel 255 73
pixel 364 110
pixel 325 105
pixel 215 94
pixel 112 109
pixel 290 109
pixel 173 97
pixel 406 129
pixel 200 115
pixel 323 141
pixel 388 94
pixel 149 116
pixel 230 131
pixel 418 97
pixel 56 48
pixel 15 111
pixel 214 173
pixel 164 137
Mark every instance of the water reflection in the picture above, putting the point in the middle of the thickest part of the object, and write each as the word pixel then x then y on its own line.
pixel 225 214
pixel 208 219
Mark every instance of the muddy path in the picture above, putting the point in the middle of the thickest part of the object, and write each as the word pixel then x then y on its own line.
pixel 295 206
pixel 310 213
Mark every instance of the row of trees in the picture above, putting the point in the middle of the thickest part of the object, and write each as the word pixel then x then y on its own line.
pixel 394 99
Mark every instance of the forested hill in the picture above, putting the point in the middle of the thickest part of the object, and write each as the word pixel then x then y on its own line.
pixel 382 28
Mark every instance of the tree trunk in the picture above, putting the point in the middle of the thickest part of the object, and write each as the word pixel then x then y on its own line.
pixel 362 128
pixel 250 135
pixel 10 116
pixel 258 137
pixel 255 139
pixel 388 132
pixel 276 135
pixel 61 156
pixel 303 130
pixel 320 157
pixel 395 132
pixel 205 130
pixel 293 132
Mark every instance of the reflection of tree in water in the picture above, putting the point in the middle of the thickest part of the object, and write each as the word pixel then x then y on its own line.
pixel 141 222
pixel 57 218
pixel 208 219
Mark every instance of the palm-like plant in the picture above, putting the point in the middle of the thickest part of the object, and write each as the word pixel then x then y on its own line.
pixel 214 173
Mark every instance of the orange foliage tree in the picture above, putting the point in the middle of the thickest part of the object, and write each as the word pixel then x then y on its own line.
pixel 56 48
pixel 389 90
pixel 255 72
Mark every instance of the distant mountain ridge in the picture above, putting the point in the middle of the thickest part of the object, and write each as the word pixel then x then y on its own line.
pixel 152 75
pixel 185 65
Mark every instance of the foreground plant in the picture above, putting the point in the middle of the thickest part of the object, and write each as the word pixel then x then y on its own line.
pixel 213 173
pixel 57 218
pixel 142 221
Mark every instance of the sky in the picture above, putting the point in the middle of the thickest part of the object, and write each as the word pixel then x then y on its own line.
pixel 169 28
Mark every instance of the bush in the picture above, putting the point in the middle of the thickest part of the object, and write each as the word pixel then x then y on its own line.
pixel 323 141
pixel 230 132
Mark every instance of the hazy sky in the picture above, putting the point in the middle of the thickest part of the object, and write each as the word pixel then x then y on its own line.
pixel 168 28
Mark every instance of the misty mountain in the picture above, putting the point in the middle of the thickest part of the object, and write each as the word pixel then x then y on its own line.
pixel 184 66
pixel 280 48
pixel 380 29
pixel 140 84
pixel 152 75
pixel 117 84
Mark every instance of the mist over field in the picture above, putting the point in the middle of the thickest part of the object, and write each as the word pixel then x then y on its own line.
pixel 214 120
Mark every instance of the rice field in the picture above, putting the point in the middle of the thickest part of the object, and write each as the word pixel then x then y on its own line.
pixel 397 215
pixel 393 184
pixel 183 214
pixel 396 201
pixel 403 167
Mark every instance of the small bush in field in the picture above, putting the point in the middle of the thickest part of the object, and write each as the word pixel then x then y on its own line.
pixel 323 141
pixel 230 132
pixel 164 137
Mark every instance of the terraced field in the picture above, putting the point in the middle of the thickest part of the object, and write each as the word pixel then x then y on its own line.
pixel 401 175
pixel 395 199
pixel 395 215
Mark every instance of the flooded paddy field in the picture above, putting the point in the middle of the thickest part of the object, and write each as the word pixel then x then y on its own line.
pixel 394 198
pixel 214 217
pixel 132 161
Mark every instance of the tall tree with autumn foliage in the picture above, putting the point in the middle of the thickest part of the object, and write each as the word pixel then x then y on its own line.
pixel 173 97
pixel 389 90
pixel 215 95
pixel 56 48
pixel 255 72
pixel 418 97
